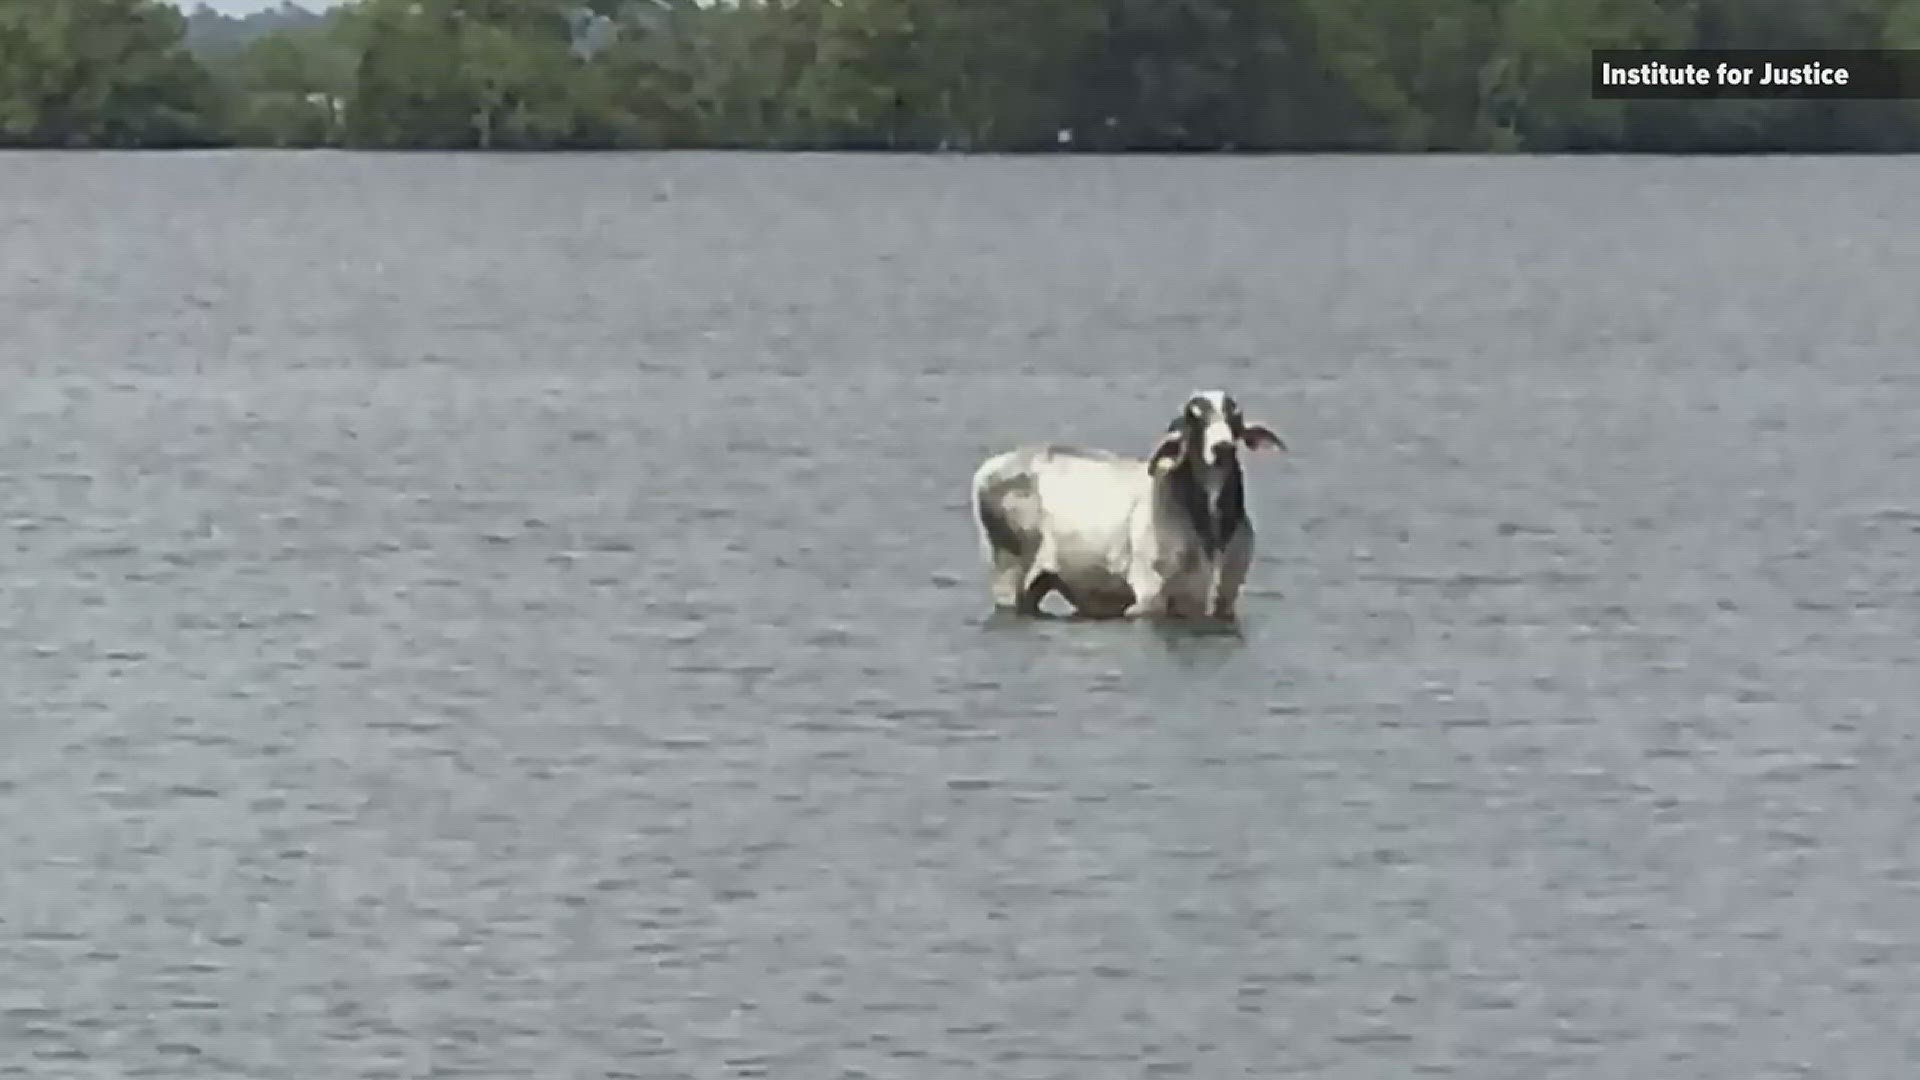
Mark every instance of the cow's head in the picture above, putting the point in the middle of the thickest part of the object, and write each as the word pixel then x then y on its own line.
pixel 1208 434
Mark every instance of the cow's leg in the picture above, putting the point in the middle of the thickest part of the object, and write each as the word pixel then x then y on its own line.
pixel 1039 585
pixel 1008 585
pixel 1040 579
pixel 1009 578
pixel 1234 564
pixel 1187 596
pixel 1101 603
pixel 1149 592
pixel 1185 605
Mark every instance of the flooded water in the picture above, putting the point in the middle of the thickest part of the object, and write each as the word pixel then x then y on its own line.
pixel 519 617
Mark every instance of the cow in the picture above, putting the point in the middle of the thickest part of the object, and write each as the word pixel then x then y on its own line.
pixel 1118 536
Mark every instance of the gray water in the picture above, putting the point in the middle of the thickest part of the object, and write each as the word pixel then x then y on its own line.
pixel 519 617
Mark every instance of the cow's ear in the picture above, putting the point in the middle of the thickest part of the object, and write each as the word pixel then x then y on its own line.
pixel 1167 453
pixel 1261 437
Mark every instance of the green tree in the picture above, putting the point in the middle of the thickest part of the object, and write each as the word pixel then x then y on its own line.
pixel 101 73
pixel 407 93
pixel 1537 89
pixel 863 87
pixel 288 87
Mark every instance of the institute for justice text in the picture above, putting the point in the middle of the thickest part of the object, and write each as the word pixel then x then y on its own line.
pixel 1655 73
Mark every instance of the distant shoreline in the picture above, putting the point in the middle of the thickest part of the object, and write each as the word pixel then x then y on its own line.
pixel 421 151
pixel 920 77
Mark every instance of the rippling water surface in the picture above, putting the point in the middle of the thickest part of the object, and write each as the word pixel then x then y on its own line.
pixel 519 617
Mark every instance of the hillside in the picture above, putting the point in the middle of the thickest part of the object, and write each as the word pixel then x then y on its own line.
pixel 210 31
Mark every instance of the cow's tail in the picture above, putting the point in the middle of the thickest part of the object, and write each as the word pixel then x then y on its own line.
pixel 997 534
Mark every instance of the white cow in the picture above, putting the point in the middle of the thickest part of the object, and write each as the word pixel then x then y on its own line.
pixel 1122 536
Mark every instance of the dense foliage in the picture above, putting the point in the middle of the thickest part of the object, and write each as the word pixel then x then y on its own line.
pixel 960 74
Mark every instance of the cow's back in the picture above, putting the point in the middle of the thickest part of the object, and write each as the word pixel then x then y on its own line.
pixel 1087 499
pixel 1086 492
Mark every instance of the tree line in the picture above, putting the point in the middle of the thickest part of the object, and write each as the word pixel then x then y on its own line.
pixel 970 75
